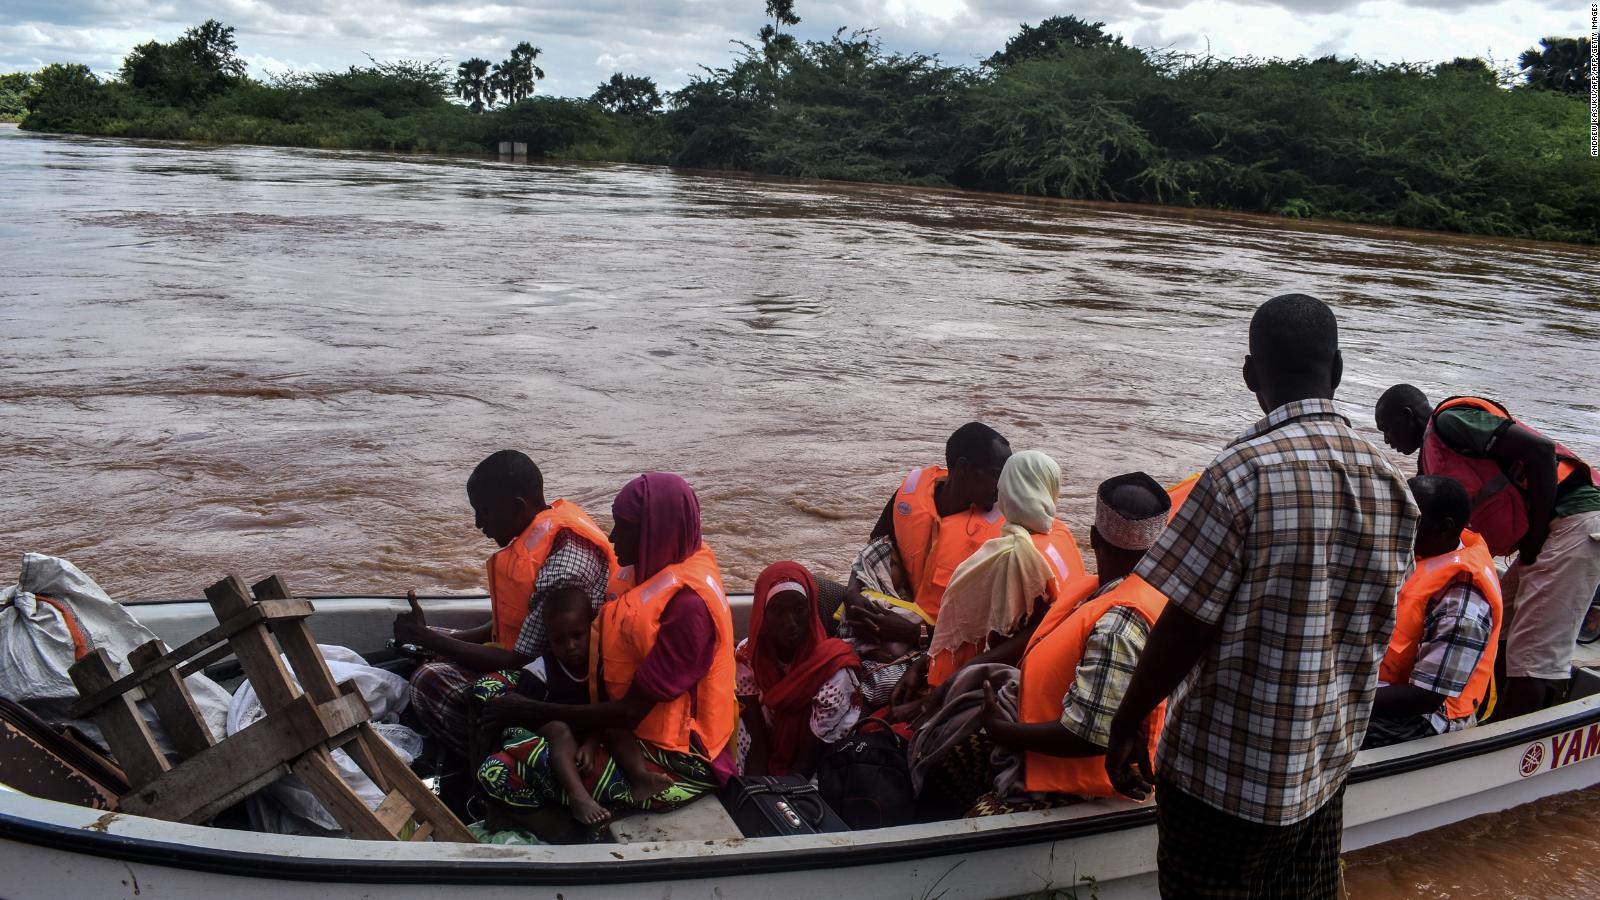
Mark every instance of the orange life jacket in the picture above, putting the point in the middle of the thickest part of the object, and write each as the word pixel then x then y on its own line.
pixel 514 568
pixel 1067 578
pixel 1432 576
pixel 1498 514
pixel 1180 492
pixel 932 547
pixel 626 631
pixel 1048 669
pixel 1061 551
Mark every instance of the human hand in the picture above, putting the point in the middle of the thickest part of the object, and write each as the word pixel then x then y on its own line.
pixel 411 626
pixel 992 712
pixel 585 756
pixel 912 684
pixel 889 627
pixel 509 710
pixel 1128 762
pixel 1532 543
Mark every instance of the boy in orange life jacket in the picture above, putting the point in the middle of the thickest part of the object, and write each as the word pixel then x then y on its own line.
pixel 1530 495
pixel 544 547
pixel 1435 675
pixel 1078 663
pixel 938 518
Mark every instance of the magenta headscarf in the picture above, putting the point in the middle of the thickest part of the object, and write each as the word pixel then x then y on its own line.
pixel 668 515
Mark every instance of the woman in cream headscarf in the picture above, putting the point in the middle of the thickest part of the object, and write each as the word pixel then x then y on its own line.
pixel 998 595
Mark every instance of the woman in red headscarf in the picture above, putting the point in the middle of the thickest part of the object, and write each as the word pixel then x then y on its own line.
pixel 799 690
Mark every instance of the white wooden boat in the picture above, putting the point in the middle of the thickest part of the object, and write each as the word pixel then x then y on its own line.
pixel 1104 849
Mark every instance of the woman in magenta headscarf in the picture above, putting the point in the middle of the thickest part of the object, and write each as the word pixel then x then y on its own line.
pixel 662 669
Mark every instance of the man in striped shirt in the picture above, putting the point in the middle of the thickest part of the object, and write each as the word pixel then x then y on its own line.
pixel 1281 570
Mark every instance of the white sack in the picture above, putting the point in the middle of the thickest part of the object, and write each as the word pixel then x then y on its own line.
pixel 36 648
pixel 386 693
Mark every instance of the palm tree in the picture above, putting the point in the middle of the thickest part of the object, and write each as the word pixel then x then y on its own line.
pixel 519 74
pixel 1563 65
pixel 473 84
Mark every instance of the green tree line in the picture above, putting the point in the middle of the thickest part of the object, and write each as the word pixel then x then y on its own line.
pixel 1064 109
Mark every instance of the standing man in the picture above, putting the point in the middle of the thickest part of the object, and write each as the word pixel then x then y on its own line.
pixel 544 547
pixel 1530 496
pixel 1281 571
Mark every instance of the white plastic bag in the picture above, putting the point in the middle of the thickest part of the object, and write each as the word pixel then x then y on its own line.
pixel 387 695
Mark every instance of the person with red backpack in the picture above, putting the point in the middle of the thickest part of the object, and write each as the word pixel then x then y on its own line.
pixel 1530 496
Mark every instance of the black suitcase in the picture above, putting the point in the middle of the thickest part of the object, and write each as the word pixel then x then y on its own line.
pixel 777 805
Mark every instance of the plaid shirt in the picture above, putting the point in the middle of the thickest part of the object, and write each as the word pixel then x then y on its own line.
pixel 1109 658
pixel 573 561
pixel 1455 633
pixel 1294 544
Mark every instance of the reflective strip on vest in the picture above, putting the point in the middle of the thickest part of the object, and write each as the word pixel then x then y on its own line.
pixel 1054 555
pixel 914 478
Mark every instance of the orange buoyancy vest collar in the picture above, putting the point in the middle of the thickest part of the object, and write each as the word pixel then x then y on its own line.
pixel 1060 550
pixel 626 631
pixel 1498 514
pixel 1068 578
pixel 1432 576
pixel 1048 669
pixel 932 547
pixel 514 568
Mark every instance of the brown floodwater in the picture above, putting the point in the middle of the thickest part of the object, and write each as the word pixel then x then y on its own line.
pixel 253 360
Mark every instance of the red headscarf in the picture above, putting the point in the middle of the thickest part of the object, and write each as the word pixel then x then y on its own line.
pixel 818 658
pixel 668 515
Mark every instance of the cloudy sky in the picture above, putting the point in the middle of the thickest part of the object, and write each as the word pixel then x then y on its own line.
pixel 585 40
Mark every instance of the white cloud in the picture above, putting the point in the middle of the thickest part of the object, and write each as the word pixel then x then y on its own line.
pixel 584 42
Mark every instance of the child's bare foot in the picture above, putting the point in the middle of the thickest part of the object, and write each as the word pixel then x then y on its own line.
pixel 648 784
pixel 586 811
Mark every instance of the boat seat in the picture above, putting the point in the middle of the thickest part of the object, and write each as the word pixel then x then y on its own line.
pixel 703 820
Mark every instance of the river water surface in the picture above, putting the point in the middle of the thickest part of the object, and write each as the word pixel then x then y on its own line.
pixel 254 360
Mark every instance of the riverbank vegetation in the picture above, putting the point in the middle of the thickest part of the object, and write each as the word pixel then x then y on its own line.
pixel 1064 109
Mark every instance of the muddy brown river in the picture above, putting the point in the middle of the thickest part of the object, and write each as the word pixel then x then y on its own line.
pixel 253 360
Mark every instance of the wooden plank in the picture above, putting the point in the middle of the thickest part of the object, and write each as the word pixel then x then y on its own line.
pixel 429 808
pixel 394 812
pixel 311 670
pixel 219 776
pixel 253 615
pixel 257 652
pixel 216 654
pixel 174 706
pixel 423 832
pixel 120 721
pixel 321 776
pixel 88 702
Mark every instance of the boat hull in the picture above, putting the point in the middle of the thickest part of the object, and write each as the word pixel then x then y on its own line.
pixel 1106 848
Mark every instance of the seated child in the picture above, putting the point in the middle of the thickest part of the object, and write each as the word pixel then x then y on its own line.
pixel 562 676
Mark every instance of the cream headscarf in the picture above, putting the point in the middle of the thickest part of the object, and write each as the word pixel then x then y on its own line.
pixel 994 589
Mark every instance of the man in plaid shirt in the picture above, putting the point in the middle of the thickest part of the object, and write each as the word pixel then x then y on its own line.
pixel 1281 570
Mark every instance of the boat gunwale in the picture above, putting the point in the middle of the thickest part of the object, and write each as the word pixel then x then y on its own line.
pixel 216 860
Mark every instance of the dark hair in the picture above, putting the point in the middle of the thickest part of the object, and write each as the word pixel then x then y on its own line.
pixel 1441 498
pixel 567 601
pixel 1405 396
pixel 1294 336
pixel 1134 496
pixel 508 473
pixel 975 441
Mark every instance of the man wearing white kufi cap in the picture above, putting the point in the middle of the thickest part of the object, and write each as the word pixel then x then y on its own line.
pixel 1078 663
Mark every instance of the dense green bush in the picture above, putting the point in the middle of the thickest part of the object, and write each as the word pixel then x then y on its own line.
pixel 1064 110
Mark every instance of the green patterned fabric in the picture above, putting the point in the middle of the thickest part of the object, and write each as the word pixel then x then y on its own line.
pixel 520 776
